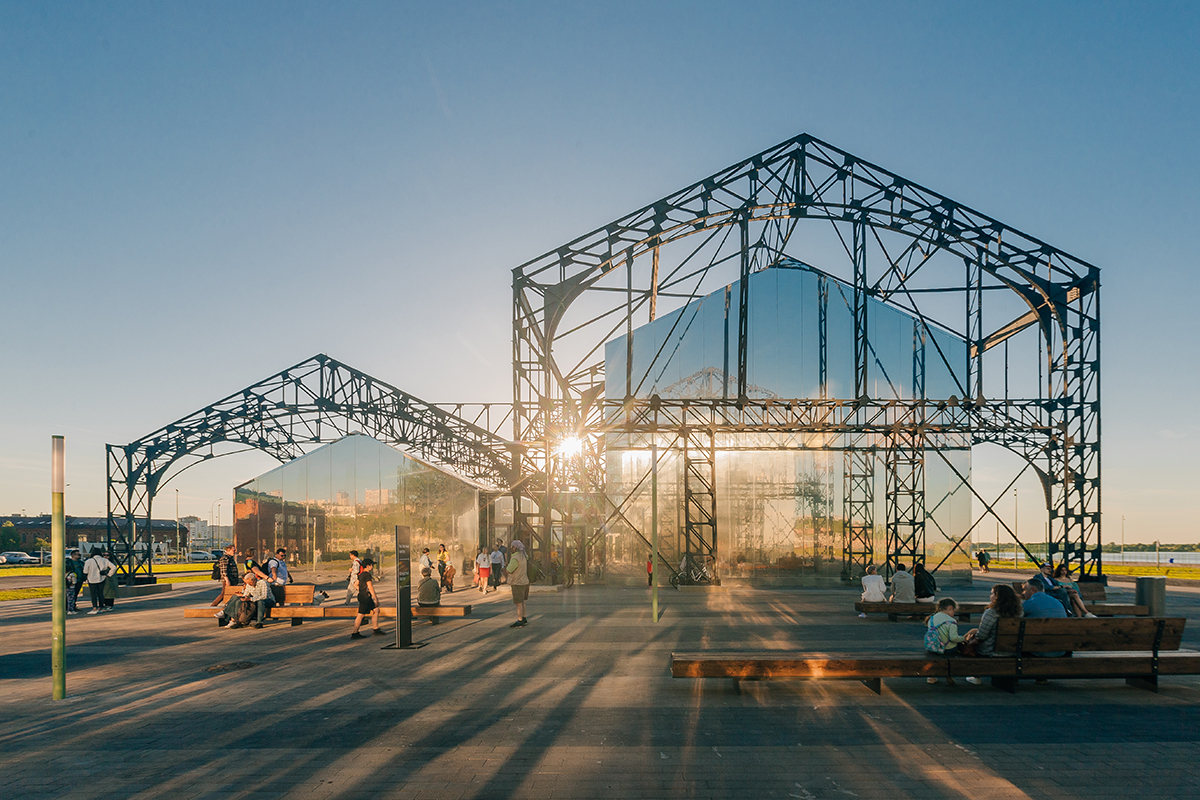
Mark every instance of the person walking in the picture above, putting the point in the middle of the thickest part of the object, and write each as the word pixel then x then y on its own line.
pixel 483 569
pixel 368 601
pixel 355 569
pixel 518 579
pixel 429 593
pixel 497 558
pixel 97 569
pixel 74 578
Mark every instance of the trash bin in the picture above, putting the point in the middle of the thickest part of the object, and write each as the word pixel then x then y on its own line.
pixel 1152 593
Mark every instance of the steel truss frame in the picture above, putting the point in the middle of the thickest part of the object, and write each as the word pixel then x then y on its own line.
pixel 569 302
pixel 314 402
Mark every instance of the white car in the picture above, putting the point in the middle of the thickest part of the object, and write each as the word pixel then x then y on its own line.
pixel 15 557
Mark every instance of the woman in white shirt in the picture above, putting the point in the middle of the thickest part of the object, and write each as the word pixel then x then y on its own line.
pixel 873 588
pixel 97 569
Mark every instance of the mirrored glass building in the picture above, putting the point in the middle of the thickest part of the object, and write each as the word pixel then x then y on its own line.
pixel 779 501
pixel 350 495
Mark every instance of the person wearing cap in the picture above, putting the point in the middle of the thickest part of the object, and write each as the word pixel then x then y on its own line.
pixel 518 579
pixel 368 601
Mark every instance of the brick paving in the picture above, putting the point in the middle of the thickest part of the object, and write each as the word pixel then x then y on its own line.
pixel 579 704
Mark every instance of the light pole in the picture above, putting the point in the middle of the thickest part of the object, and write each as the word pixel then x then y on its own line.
pixel 176 525
pixel 217 505
pixel 1122 540
pixel 1016 525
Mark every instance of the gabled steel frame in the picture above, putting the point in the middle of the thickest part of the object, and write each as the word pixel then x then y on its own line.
pixel 312 403
pixel 558 342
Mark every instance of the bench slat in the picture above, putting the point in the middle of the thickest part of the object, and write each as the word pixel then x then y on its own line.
pixel 1116 634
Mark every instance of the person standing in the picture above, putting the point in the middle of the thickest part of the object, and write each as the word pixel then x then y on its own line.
pixel 278 570
pixel 368 601
pixel 252 565
pixel 518 579
pixel 227 570
pixel 483 569
pixel 97 569
pixel 497 558
pixel 443 558
pixel 429 593
pixel 74 578
pixel 355 570
pixel 649 570
pixel 426 560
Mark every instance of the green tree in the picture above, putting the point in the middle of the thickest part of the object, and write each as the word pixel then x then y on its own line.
pixel 9 538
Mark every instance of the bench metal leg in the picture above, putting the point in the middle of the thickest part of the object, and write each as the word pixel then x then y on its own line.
pixel 893 618
pixel 1007 684
pixel 737 686
pixel 222 622
pixel 874 684
pixel 297 621
pixel 1149 683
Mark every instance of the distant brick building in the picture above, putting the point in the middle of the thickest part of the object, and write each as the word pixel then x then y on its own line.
pixel 87 529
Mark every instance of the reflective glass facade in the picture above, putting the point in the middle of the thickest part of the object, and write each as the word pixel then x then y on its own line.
pixel 350 495
pixel 779 496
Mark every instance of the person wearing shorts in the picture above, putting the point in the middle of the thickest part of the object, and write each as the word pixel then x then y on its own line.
pixel 483 569
pixel 368 601
pixel 518 579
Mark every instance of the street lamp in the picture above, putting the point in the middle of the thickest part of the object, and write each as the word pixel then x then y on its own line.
pixel 176 525
pixel 211 528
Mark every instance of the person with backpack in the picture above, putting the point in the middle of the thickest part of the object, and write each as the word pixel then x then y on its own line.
pixel 279 577
pixel 225 570
pixel 252 565
pixel 941 635
pixel 97 569
pixel 518 579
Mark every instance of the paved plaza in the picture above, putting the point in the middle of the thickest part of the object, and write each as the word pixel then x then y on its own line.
pixel 578 704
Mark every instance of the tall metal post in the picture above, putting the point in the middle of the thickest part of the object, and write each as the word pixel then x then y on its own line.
pixel 58 567
pixel 654 530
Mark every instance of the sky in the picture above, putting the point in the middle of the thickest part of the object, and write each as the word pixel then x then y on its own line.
pixel 195 196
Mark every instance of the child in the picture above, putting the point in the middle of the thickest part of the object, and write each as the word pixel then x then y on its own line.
pixel 942 637
pixel 368 601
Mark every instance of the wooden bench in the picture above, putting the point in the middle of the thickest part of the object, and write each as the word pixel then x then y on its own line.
pixel 896 610
pixel 298 613
pixel 1094 596
pixel 1136 649
pixel 295 597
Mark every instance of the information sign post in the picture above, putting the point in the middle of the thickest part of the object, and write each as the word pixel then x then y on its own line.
pixel 403 573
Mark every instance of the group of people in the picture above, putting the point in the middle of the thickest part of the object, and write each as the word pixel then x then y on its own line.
pixel 100 575
pixel 441 563
pixel 510 565
pixel 1050 593
pixel 490 566
pixel 262 586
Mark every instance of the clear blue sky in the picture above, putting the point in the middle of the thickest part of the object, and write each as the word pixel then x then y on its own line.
pixel 194 196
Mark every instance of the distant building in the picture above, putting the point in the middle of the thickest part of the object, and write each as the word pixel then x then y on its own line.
pixel 83 531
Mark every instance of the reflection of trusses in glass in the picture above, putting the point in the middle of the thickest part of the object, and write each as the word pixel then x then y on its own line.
pixel 711 382
pixel 901 244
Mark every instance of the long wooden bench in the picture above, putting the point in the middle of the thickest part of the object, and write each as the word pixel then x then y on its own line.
pixel 1136 649
pixel 896 610
pixel 1095 597
pixel 299 613
pixel 297 599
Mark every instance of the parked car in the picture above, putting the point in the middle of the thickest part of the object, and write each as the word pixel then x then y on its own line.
pixel 15 557
pixel 200 555
pixel 217 554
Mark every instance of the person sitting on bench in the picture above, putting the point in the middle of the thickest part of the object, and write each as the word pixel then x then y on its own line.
pixel 251 604
pixel 942 636
pixel 873 588
pixel 924 586
pixel 1039 604
pixel 429 594
pixel 904 589
pixel 1062 576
